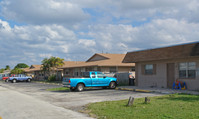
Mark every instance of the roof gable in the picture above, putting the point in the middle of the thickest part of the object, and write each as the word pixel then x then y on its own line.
pixel 97 57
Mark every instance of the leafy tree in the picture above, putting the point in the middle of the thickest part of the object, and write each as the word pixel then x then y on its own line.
pixel 21 65
pixel 50 65
pixel 2 70
pixel 7 67
pixel 17 71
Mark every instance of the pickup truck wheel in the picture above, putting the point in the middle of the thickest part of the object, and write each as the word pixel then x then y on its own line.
pixel 14 81
pixel 28 80
pixel 112 85
pixel 80 87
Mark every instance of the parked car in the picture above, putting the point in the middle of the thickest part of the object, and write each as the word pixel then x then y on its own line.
pixel 19 77
pixel 90 79
pixel 7 76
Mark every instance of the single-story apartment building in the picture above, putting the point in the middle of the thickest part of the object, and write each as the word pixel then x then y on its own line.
pixel 161 67
pixel 35 71
pixel 106 63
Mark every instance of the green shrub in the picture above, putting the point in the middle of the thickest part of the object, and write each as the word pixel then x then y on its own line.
pixel 52 78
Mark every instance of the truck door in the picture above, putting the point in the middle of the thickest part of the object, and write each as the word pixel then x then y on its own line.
pixel 23 77
pixel 20 77
pixel 95 81
pixel 103 81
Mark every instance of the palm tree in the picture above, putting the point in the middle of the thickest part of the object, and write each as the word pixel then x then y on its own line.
pixel 50 65
pixel 46 66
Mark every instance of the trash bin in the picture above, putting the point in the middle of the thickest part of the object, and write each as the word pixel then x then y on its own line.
pixel 131 81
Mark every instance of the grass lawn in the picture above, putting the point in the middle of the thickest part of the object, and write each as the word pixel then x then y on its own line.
pixel 59 89
pixel 175 106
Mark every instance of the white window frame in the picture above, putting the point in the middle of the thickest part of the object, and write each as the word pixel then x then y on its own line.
pixel 187 67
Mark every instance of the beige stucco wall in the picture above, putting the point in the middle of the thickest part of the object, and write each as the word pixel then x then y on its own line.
pixel 160 78
pixel 157 80
pixel 124 69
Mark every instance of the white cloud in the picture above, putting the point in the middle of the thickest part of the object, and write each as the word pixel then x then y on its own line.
pixel 42 11
pixel 87 43
pixel 142 10
pixel 160 32
pixel 45 55
pixel 4 26
pixel 29 44
pixel 76 29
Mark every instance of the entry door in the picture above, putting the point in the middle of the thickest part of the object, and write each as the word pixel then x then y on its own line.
pixel 170 74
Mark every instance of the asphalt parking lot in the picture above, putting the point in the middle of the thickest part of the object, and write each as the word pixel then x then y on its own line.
pixel 71 100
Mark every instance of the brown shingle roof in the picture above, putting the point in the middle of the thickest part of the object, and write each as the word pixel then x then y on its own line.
pixel 33 68
pixel 172 52
pixel 70 64
pixel 110 60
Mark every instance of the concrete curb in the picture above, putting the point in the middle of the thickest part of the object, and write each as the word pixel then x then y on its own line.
pixel 156 91
pixel 135 90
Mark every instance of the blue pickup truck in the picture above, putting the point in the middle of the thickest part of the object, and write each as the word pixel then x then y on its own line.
pixel 90 79
pixel 19 77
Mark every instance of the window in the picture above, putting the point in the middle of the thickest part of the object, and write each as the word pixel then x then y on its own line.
pixel 113 70
pixel 76 72
pixel 94 68
pixel 67 71
pixel 187 70
pixel 86 74
pixel 133 69
pixel 101 75
pixel 82 71
pixel 149 69
pixel 93 75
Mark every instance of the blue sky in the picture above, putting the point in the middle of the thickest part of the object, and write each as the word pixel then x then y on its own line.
pixel 76 29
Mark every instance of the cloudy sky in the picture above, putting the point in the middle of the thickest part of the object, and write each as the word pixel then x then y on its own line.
pixel 31 30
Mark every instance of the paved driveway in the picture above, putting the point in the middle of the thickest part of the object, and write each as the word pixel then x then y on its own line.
pixel 71 100
pixel 15 105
